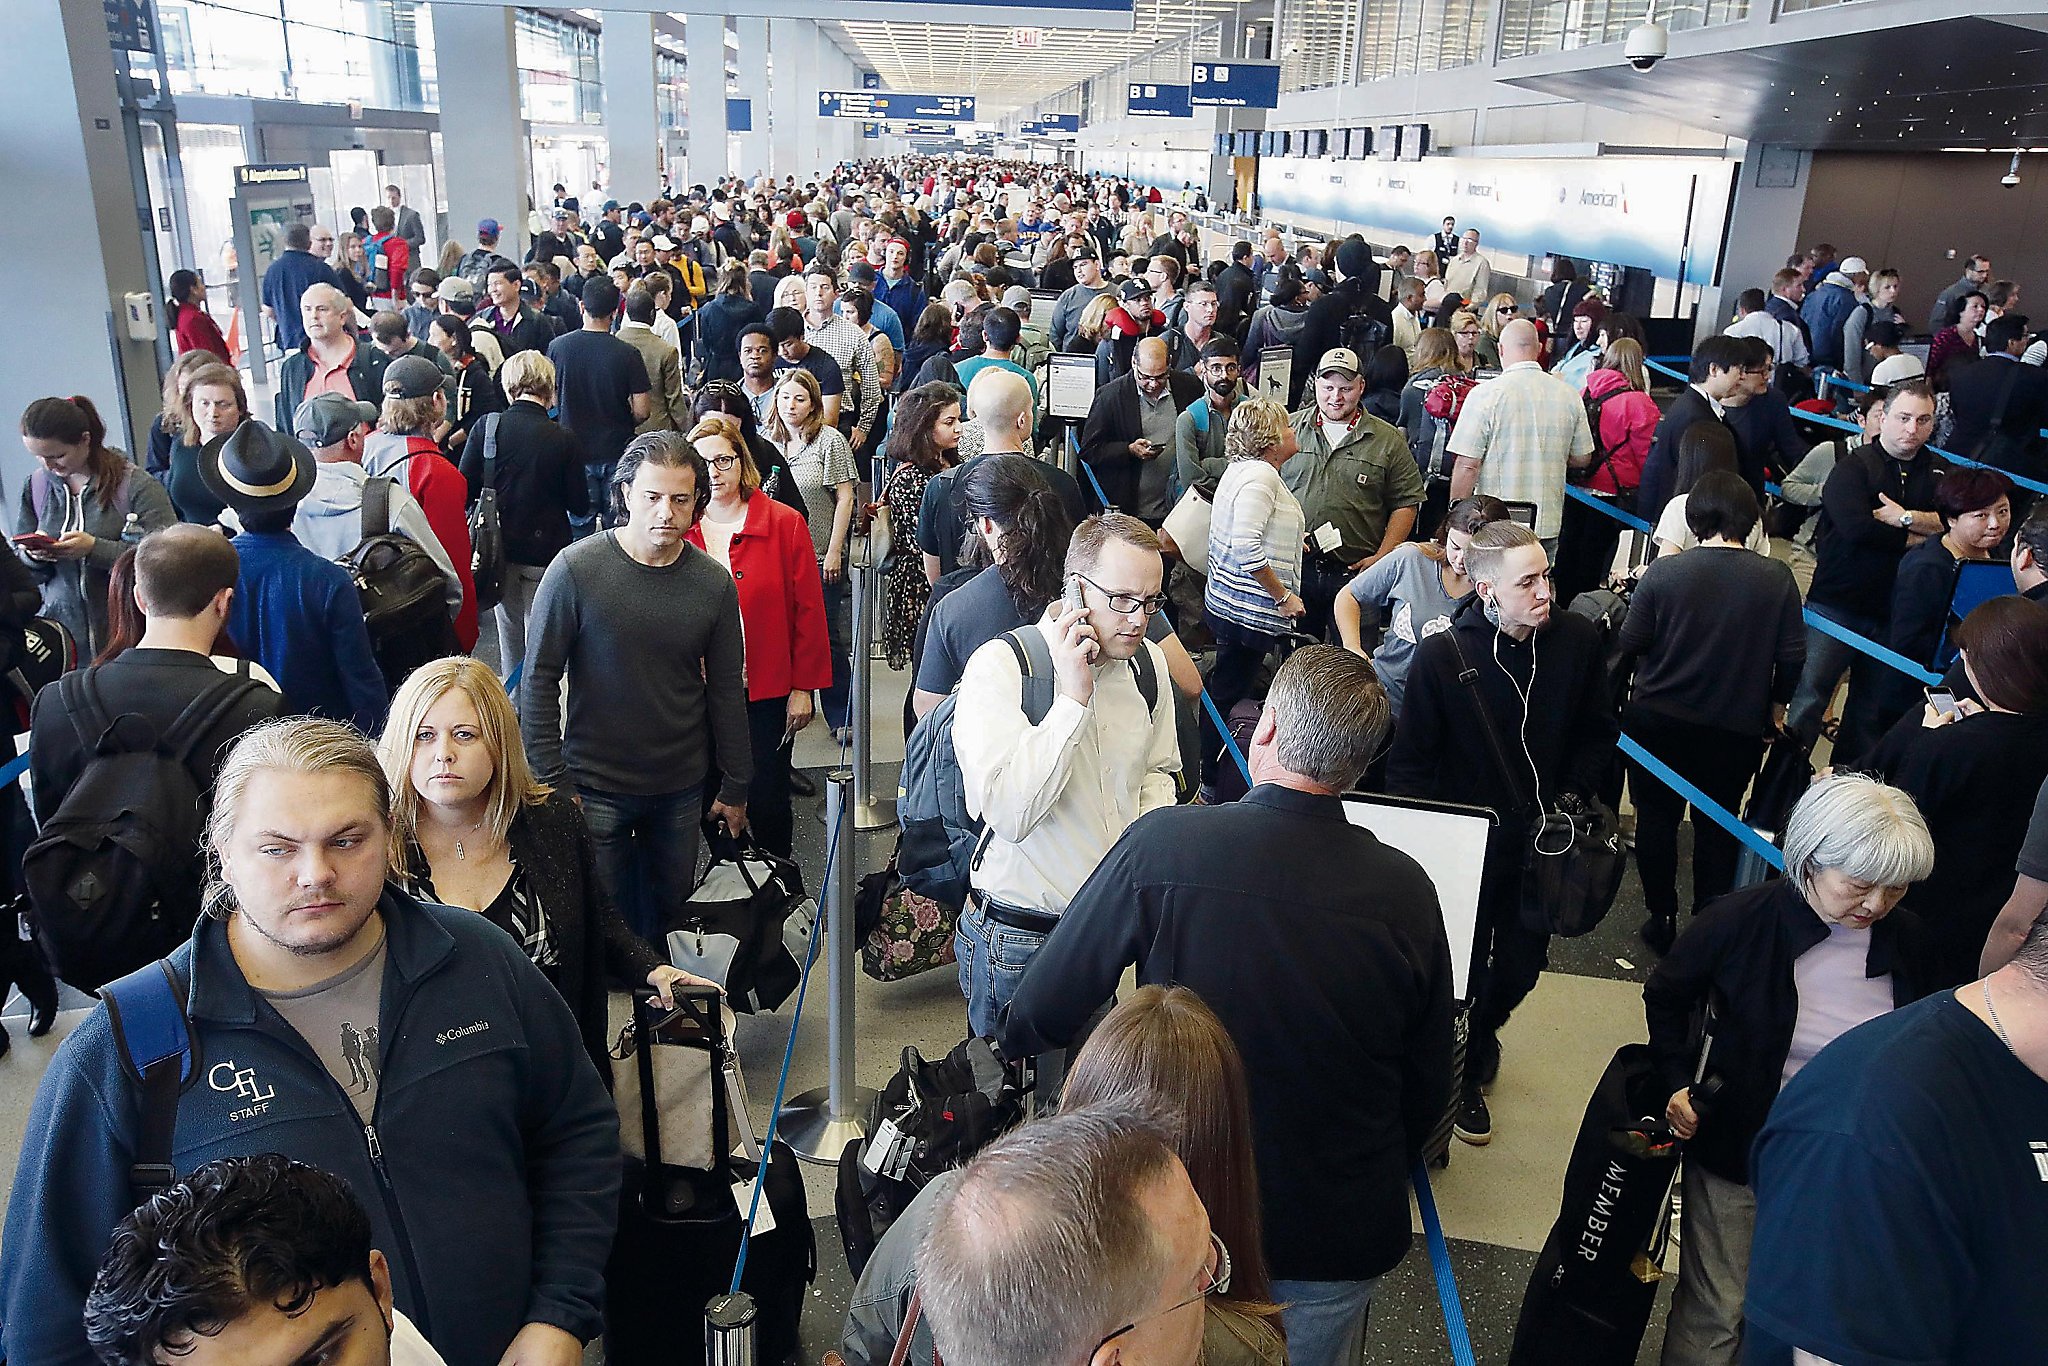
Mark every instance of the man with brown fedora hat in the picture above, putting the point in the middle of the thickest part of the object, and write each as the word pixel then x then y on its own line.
pixel 294 613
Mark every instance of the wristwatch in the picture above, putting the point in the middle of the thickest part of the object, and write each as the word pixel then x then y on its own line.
pixel 1906 521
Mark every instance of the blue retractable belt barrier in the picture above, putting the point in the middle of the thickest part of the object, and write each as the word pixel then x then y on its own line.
pixel 1432 1227
pixel 1089 470
pixel 1813 618
pixel 1618 514
pixel 512 679
pixel 13 770
pixel 1702 804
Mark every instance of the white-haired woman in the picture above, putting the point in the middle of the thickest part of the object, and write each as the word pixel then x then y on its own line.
pixel 1253 593
pixel 1786 967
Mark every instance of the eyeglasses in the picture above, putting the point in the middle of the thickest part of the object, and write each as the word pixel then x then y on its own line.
pixel 1127 603
pixel 1504 308
pixel 721 462
pixel 1155 377
pixel 1215 1281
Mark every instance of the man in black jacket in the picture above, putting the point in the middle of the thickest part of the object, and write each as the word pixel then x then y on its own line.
pixel 1716 375
pixel 1236 292
pixel 1513 695
pixel 519 325
pixel 1877 502
pixel 1128 437
pixel 2000 407
pixel 1328 966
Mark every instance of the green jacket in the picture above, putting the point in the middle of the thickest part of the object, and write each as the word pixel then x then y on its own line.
pixel 1356 487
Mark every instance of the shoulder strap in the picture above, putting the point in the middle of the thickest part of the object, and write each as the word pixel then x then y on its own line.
pixel 39 490
pixel 205 712
pixel 1147 677
pixel 490 430
pixel 154 1038
pixel 1034 661
pixel 79 691
pixel 376 506
pixel 1468 677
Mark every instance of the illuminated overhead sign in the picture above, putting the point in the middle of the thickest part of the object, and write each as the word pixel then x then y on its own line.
pixel 869 105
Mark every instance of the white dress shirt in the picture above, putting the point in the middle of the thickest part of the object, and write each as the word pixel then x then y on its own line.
pixel 1056 796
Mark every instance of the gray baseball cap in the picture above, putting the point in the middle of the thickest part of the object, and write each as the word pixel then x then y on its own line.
pixel 327 419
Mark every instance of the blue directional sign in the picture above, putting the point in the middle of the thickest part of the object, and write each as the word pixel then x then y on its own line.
pixel 868 105
pixel 1150 100
pixel 739 115
pixel 1060 123
pixel 871 131
pixel 916 128
pixel 1236 85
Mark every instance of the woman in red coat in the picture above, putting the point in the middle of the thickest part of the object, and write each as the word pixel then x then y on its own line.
pixel 1618 399
pixel 191 325
pixel 767 549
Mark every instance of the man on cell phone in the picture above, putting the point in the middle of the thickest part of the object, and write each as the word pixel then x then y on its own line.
pixel 1054 795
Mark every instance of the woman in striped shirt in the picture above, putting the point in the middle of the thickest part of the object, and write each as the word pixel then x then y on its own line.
pixel 1255 547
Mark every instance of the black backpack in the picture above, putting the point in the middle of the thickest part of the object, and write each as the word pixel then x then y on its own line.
pixel 929 1118
pixel 1365 335
pixel 114 878
pixel 404 593
pixel 486 529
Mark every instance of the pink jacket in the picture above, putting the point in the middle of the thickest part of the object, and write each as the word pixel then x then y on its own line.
pixel 1627 422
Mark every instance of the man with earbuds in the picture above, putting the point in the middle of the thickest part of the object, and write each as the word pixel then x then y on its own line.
pixel 1535 679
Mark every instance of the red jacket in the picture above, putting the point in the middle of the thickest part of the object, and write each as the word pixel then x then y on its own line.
pixel 443 495
pixel 1627 422
pixel 782 601
pixel 197 331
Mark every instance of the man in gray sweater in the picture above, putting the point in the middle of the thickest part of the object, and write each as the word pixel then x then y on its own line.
pixel 648 628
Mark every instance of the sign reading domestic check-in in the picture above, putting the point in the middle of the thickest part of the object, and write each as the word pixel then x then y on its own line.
pixel 1235 85
pixel 869 105
pixel 1151 100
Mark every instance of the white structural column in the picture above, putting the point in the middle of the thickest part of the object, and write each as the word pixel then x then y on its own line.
pixel 485 148
pixel 632 118
pixel 65 152
pixel 704 34
pixel 839 73
pixel 793 98
pixel 753 82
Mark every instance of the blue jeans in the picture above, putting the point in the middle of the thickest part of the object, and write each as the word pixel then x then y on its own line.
pixel 646 853
pixel 839 633
pixel 1325 1320
pixel 597 477
pixel 992 962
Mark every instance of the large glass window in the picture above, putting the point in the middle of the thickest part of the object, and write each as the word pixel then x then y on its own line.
pixel 311 51
pixel 1532 26
pixel 557 70
pixel 1420 35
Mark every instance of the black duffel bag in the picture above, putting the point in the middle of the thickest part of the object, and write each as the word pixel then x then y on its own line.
pixel 1574 868
pixel 1595 1282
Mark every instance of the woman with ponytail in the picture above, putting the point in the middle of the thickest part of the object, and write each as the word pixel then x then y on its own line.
pixel 74 505
pixel 1017 550
pixel 191 325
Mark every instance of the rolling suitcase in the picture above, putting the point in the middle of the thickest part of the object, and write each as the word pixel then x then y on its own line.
pixel 681 1224
pixel 1595 1281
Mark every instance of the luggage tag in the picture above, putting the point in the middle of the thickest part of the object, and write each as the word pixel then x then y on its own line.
pixel 736 1105
pixel 1328 538
pixel 743 1194
pixel 887 1152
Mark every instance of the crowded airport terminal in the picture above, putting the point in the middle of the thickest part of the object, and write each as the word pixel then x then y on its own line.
pixel 1135 683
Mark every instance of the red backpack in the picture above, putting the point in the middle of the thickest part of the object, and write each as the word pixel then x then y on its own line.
pixel 1446 399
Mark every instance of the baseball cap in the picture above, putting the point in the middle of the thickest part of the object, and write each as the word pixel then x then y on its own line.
pixel 561 215
pixel 661 242
pixel 609 206
pixel 1855 265
pixel 1134 288
pixel 1085 254
pixel 1338 359
pixel 455 290
pixel 1892 369
pixel 325 419
pixel 411 377
pixel 487 227
pixel 1015 295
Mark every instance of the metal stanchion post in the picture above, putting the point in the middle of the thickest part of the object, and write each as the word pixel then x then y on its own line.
pixel 869 811
pixel 820 1123
pixel 729 1323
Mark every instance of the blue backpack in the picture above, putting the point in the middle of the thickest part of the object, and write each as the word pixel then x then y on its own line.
pixel 147 1012
pixel 941 842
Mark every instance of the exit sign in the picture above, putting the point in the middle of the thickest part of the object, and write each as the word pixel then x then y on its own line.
pixel 1027 39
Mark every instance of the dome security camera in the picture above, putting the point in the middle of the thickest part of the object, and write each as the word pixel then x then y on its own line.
pixel 2011 178
pixel 1647 45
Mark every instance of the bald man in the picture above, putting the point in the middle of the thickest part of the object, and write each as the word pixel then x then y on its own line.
pixel 332 361
pixel 1519 432
pixel 999 406
pixel 1128 439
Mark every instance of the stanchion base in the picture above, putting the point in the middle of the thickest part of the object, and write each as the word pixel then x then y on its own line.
pixel 808 1126
pixel 876 813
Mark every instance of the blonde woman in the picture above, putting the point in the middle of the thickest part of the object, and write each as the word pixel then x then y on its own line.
pixel 1430 273
pixel 1499 311
pixel 819 460
pixel 472 827
pixel 1255 547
